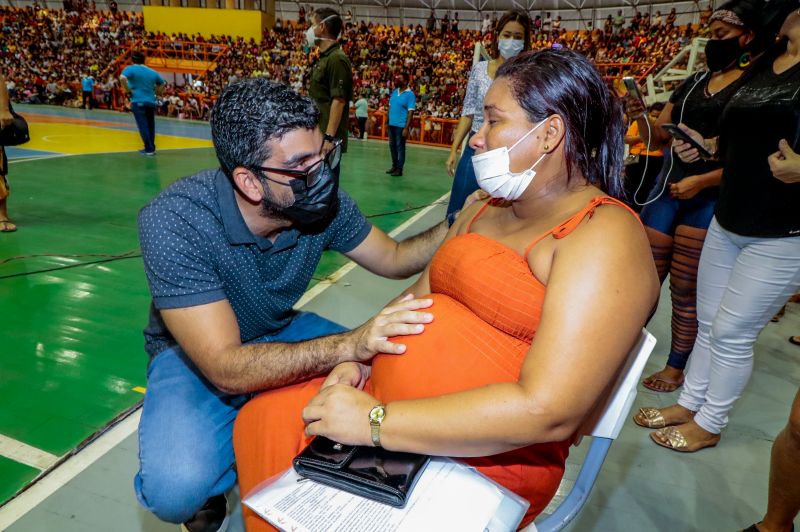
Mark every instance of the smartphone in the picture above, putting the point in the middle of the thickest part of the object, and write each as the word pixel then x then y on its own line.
pixel 678 133
pixel 633 88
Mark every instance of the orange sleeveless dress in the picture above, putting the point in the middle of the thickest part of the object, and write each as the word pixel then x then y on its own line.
pixel 486 306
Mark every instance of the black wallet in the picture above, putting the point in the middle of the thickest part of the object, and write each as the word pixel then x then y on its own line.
pixel 371 472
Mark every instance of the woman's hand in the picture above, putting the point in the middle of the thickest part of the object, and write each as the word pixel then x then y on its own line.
pixel 785 163
pixel 352 374
pixel 634 107
pixel 684 150
pixel 340 413
pixel 686 188
pixel 451 163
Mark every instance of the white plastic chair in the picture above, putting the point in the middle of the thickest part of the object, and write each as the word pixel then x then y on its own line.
pixel 603 426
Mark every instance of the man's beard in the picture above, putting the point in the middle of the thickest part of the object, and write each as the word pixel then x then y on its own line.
pixel 271 209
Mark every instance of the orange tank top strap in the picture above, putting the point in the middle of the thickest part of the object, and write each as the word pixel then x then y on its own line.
pixel 565 228
pixel 491 203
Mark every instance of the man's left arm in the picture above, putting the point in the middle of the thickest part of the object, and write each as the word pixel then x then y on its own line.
pixel 412 106
pixel 161 85
pixel 340 85
pixel 337 110
pixel 384 256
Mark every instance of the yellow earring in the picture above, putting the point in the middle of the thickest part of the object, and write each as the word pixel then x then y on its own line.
pixel 546 147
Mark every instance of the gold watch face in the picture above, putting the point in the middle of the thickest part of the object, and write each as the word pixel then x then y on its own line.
pixel 377 414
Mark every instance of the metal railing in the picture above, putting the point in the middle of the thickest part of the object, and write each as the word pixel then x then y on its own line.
pixel 424 129
pixel 186 57
pixel 618 70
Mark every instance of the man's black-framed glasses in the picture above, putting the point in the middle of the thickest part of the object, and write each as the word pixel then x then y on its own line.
pixel 311 174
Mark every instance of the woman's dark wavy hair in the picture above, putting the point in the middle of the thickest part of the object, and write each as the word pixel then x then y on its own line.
pixel 565 83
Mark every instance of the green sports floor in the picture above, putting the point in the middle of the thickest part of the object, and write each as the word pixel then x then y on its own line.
pixel 73 296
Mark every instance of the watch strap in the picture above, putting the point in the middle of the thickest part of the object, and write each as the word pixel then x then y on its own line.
pixel 376 434
pixel 376 417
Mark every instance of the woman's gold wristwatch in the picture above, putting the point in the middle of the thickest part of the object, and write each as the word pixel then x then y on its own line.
pixel 376 416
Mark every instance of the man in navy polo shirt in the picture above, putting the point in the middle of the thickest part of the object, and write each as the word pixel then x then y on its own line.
pixel 227 254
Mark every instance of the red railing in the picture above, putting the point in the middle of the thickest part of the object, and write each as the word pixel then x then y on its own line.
pixel 427 130
pixel 187 57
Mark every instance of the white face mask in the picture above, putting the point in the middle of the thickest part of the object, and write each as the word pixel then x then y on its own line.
pixel 494 175
pixel 508 48
pixel 311 36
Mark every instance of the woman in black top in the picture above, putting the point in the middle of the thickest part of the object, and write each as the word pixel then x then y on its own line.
pixel 678 217
pixel 750 264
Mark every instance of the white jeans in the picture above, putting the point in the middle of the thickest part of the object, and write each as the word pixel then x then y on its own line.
pixel 741 284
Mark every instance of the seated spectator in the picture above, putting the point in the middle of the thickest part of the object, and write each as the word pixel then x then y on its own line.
pixel 509 270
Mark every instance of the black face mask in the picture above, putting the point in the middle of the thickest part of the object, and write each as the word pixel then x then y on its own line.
pixel 722 53
pixel 316 204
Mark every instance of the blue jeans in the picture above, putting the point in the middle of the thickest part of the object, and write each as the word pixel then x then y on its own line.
pixel 186 429
pixel 397 145
pixel 667 213
pixel 145 115
pixel 464 182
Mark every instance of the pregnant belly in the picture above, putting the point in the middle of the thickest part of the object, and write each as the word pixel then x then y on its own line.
pixel 457 351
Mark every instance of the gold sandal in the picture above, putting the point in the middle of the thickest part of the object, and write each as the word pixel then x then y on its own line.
pixel 676 440
pixel 650 418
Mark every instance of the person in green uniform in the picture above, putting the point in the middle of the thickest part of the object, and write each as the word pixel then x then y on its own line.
pixel 331 78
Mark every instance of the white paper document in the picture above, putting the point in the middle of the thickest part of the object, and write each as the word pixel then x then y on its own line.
pixel 448 496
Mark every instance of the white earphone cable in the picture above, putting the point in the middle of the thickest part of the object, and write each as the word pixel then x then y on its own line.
pixel 672 155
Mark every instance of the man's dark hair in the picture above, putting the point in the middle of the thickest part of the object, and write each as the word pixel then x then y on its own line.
pixel 137 57
pixel 333 25
pixel 251 112
pixel 565 83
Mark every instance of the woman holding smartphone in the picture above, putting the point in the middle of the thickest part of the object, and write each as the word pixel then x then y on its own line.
pixel 750 263
pixel 678 217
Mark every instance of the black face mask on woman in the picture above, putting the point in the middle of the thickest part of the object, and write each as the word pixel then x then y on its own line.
pixel 722 53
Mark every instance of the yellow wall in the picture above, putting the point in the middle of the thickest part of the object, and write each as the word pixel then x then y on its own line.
pixel 207 21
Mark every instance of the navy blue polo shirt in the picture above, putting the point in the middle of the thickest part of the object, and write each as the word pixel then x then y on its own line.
pixel 197 249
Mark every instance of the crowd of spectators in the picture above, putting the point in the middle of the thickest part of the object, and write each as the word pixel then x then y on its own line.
pixel 46 53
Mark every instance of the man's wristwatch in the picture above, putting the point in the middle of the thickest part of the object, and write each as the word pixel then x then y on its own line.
pixel 376 416
pixel 329 138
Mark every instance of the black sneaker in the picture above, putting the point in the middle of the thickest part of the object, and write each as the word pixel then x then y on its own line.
pixel 391 170
pixel 397 172
pixel 212 517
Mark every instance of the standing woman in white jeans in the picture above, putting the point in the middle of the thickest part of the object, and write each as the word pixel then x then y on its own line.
pixel 750 263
